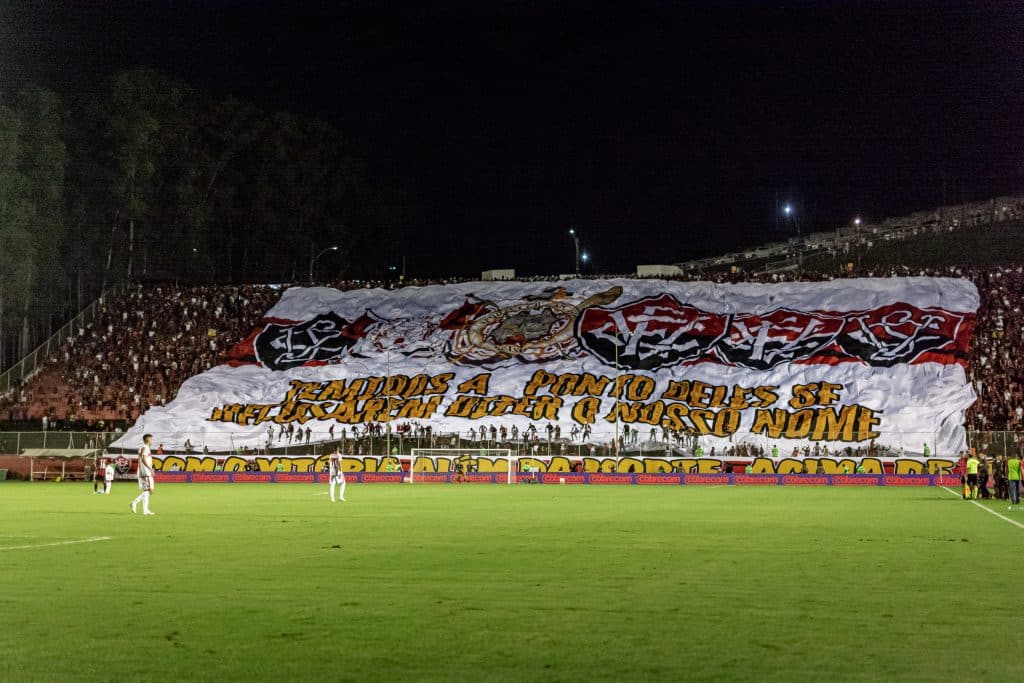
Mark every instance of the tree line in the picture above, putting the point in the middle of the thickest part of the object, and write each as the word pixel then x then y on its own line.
pixel 151 179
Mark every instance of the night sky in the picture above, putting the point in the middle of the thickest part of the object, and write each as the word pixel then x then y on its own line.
pixel 662 132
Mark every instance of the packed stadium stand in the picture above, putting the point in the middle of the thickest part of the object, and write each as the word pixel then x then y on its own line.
pixel 147 339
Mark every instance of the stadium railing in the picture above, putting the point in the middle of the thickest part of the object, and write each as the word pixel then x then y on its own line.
pixel 27 366
pixel 600 444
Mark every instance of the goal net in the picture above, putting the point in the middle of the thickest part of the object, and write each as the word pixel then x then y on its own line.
pixel 464 460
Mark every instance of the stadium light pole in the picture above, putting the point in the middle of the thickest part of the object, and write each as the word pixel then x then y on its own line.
pixel 312 261
pixel 584 257
pixel 856 238
pixel 576 241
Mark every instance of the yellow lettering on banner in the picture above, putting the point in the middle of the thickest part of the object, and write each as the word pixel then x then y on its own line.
pixel 439 383
pixel 565 383
pixel 798 426
pixel 297 387
pixel 419 409
pixel 374 410
pixel 546 408
pixel 909 467
pixel 494 406
pixel 289 464
pixel 835 426
pixel 709 466
pixel 762 466
pixel 699 394
pixel 476 385
pixel 230 413
pixel 539 380
pixel 332 391
pixel 766 395
pixel 703 421
pixel 940 466
pixel 828 465
pixel 591 385
pixel 640 389
pixel 204 464
pixel 233 463
pixel 493 464
pixel 740 399
pixel 625 463
pixel 677 390
pixel 866 423
pixel 264 414
pixel 462 406
pixel 395 385
pixel 421 464
pixel 850 423
pixel 675 414
pixel 534 465
pixel 654 465
pixel 789 466
pixel 803 396
pixel 559 464
pixel 870 465
pixel 685 465
pixel 168 464
pixel 828 395
pixel 769 421
pixel 599 464
pixel 585 410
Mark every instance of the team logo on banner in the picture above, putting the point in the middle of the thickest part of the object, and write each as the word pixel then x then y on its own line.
pixel 900 334
pixel 651 333
pixel 531 332
pixel 322 339
pixel 763 341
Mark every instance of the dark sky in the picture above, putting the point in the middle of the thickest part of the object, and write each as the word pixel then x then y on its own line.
pixel 662 131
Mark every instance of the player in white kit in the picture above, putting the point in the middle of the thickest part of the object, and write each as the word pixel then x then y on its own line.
pixel 337 476
pixel 146 476
pixel 108 477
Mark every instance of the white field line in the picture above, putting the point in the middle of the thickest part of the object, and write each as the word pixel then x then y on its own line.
pixel 91 539
pixel 986 509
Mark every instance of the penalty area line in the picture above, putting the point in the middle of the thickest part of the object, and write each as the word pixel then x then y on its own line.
pixel 91 539
pixel 986 509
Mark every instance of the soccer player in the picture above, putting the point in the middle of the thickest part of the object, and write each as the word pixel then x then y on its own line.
pixel 337 476
pixel 145 476
pixel 108 477
pixel 1013 475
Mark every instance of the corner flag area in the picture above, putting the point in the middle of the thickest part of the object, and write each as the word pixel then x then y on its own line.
pixel 448 582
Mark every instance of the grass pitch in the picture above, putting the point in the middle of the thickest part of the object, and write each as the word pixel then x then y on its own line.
pixel 255 582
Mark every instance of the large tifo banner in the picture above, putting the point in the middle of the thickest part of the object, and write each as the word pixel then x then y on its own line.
pixel 840 363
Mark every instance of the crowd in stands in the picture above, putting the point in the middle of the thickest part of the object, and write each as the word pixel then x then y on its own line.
pixel 145 342
pixel 141 346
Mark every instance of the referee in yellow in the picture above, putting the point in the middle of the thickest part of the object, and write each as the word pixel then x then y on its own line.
pixel 1013 478
pixel 972 474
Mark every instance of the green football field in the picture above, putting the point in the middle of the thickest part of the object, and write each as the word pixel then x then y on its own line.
pixel 256 582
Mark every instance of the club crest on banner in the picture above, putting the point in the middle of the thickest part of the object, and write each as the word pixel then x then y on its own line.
pixel 900 334
pixel 650 333
pixel 319 340
pixel 764 341
pixel 533 331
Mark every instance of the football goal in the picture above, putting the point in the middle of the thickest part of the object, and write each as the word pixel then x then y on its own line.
pixel 465 460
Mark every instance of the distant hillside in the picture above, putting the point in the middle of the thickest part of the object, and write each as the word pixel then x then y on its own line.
pixel 994 244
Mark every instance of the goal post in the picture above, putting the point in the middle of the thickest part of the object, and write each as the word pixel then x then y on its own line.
pixel 469 459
